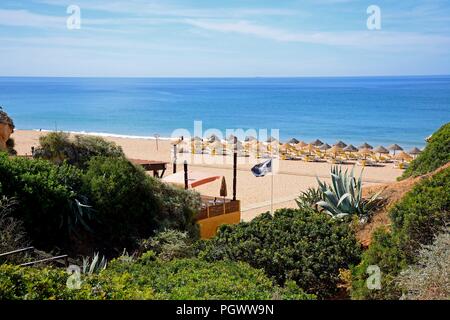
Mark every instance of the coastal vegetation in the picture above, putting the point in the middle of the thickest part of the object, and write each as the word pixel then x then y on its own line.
pixel 435 155
pixel 12 233
pixel 46 198
pixel 429 278
pixel 343 197
pixel 59 147
pixel 110 205
pixel 147 278
pixel 416 221
pixel 81 196
pixel 300 245
pixel 309 198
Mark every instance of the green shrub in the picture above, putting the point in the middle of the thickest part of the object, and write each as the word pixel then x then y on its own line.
pixel 197 279
pixel 32 283
pixel 416 220
pixel 58 147
pixel 109 207
pixel 178 208
pixel 19 283
pixel 384 253
pixel 123 198
pixel 435 155
pixel 129 205
pixel 300 245
pixel 46 198
pixel 169 244
pixel 154 279
pixel 422 213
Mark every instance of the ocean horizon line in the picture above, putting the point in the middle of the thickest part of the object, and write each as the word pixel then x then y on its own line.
pixel 229 77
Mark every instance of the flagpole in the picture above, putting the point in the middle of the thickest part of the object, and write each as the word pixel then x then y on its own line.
pixel 271 196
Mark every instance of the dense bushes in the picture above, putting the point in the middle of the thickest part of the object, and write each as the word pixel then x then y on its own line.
pixel 178 209
pixel 422 213
pixel 32 283
pixel 416 219
pixel 148 278
pixel 131 205
pixel 123 198
pixel 59 147
pixel 169 244
pixel 299 245
pixel 436 154
pixel 46 198
pixel 111 204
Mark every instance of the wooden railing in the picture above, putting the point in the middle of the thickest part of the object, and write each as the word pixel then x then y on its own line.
pixel 212 207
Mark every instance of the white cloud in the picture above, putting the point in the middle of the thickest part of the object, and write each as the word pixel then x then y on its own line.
pixel 29 19
pixel 154 8
pixel 369 39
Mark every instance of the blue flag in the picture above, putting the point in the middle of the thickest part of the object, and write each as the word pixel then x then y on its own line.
pixel 261 169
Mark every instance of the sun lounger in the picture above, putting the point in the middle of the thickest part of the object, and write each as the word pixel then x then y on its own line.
pixel 401 165
pixel 365 163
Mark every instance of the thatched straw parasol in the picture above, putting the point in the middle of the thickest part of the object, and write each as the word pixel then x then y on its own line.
pixel 324 147
pixel 381 150
pixel 395 147
pixel 340 144
pixel 309 147
pixel 213 138
pixel 365 145
pixel 230 145
pixel 301 145
pixel 250 138
pixel 335 150
pixel 271 139
pixel 230 138
pixel 414 151
pixel 286 147
pixel 196 138
pixel 216 145
pixel 403 156
pixel 365 152
pixel 350 148
pixel 317 143
pixel 293 141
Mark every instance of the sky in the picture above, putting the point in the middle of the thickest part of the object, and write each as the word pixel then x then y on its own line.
pixel 209 38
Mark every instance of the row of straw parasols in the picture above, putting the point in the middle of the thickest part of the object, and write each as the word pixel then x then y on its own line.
pixel 317 145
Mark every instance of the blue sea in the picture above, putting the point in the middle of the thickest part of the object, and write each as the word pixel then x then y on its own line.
pixel 379 110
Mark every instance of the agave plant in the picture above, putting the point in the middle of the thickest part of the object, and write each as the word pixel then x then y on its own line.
pixel 94 265
pixel 344 196
pixel 309 198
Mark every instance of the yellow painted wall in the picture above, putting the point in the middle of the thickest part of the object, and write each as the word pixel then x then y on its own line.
pixel 208 226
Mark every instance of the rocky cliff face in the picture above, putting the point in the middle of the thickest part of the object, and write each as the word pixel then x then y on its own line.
pixel 6 129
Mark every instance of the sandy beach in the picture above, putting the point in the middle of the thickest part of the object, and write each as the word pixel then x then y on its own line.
pixel 292 176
